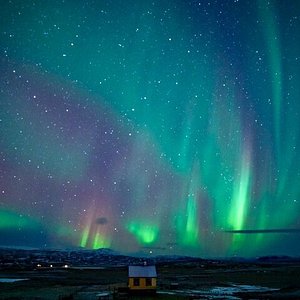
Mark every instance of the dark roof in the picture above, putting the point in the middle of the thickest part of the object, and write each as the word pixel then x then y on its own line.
pixel 142 271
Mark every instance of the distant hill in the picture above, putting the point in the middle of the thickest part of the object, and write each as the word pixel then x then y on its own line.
pixel 277 258
pixel 110 257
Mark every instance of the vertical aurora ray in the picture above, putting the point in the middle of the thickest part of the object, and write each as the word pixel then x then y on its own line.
pixel 272 41
pixel 241 194
pixel 220 168
pixel 187 219
pixel 99 241
pixel 84 237
pixel 241 199
pixel 190 231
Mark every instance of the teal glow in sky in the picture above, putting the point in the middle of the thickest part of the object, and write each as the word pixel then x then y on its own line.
pixel 169 127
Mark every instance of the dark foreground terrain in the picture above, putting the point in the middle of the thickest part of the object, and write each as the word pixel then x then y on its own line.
pixel 176 280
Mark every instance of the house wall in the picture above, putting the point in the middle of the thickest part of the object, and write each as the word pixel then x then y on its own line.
pixel 142 285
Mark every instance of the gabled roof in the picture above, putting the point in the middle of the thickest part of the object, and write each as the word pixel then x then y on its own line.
pixel 142 271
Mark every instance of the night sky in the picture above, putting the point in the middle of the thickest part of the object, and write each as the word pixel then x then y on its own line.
pixel 162 127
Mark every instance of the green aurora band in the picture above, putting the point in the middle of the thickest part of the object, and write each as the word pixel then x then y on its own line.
pixel 171 123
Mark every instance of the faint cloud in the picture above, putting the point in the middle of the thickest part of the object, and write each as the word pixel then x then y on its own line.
pixel 101 221
pixel 256 231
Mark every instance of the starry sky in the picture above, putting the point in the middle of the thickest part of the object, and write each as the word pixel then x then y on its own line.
pixel 158 127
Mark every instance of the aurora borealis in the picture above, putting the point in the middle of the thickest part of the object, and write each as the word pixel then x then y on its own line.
pixel 163 127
